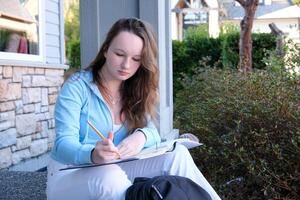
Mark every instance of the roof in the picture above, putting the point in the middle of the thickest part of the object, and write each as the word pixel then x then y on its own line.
pixel 288 12
pixel 14 10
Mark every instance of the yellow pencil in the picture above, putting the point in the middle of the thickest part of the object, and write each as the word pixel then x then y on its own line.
pixel 96 130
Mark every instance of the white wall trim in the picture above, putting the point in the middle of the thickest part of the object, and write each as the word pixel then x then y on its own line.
pixel 62 32
pixel 32 64
pixel 42 30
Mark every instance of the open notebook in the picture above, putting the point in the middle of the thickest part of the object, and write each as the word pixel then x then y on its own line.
pixel 150 152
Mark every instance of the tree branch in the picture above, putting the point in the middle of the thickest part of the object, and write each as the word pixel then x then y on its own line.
pixel 275 30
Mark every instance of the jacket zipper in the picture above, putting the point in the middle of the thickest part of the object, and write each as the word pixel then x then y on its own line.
pixel 111 116
pixel 157 191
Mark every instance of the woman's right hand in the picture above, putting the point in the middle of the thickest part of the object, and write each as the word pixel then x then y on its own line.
pixel 104 151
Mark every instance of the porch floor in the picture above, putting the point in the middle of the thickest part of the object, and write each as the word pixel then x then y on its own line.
pixel 22 185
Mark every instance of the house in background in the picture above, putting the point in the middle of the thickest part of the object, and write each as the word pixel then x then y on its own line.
pixel 31 73
pixel 283 13
pixel 186 13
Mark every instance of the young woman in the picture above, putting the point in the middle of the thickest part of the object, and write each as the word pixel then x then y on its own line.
pixel 118 94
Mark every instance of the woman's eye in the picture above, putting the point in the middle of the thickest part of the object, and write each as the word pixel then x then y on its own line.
pixel 136 59
pixel 119 54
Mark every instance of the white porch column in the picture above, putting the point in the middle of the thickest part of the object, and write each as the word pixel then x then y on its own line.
pixel 213 18
pixel 158 13
pixel 213 23
pixel 96 18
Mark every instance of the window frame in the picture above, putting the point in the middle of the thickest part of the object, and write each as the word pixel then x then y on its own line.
pixel 29 57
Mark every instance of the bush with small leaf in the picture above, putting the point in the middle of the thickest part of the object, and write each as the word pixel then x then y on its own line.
pixel 250 127
pixel 288 63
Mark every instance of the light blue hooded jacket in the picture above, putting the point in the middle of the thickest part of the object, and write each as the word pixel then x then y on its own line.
pixel 79 101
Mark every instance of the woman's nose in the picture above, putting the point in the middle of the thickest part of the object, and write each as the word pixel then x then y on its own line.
pixel 126 63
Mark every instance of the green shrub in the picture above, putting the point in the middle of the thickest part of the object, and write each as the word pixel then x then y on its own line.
pixel 4 36
pixel 187 54
pixel 222 51
pixel 73 53
pixel 261 43
pixel 204 47
pixel 181 62
pixel 200 45
pixel 196 32
pixel 288 63
pixel 250 126
pixel 219 52
pixel 230 49
pixel 229 28
pixel 72 35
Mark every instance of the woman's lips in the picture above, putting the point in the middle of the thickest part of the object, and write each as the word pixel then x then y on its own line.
pixel 123 73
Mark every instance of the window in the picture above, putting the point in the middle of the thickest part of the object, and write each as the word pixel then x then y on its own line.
pixel 20 30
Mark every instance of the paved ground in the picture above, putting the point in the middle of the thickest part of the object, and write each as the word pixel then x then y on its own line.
pixel 17 185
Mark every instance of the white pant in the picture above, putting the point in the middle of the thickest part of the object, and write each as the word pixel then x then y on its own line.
pixel 110 182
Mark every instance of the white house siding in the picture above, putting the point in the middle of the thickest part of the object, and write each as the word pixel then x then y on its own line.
pixel 28 92
pixel 54 46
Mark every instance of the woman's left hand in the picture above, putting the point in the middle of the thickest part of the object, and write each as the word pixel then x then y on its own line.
pixel 132 144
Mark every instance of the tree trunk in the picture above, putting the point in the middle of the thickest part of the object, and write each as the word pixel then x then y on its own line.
pixel 279 39
pixel 245 43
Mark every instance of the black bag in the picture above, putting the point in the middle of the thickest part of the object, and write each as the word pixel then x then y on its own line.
pixel 167 188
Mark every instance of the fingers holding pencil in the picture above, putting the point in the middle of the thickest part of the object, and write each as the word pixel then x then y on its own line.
pixel 111 135
pixel 105 149
pixel 111 138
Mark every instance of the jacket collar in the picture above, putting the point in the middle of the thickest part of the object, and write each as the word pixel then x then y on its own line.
pixel 87 77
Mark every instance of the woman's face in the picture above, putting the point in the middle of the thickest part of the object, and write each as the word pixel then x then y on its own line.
pixel 123 57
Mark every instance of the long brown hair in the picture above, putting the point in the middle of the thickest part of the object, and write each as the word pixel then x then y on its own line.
pixel 139 92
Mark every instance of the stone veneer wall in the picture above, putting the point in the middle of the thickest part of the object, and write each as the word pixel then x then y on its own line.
pixel 27 100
